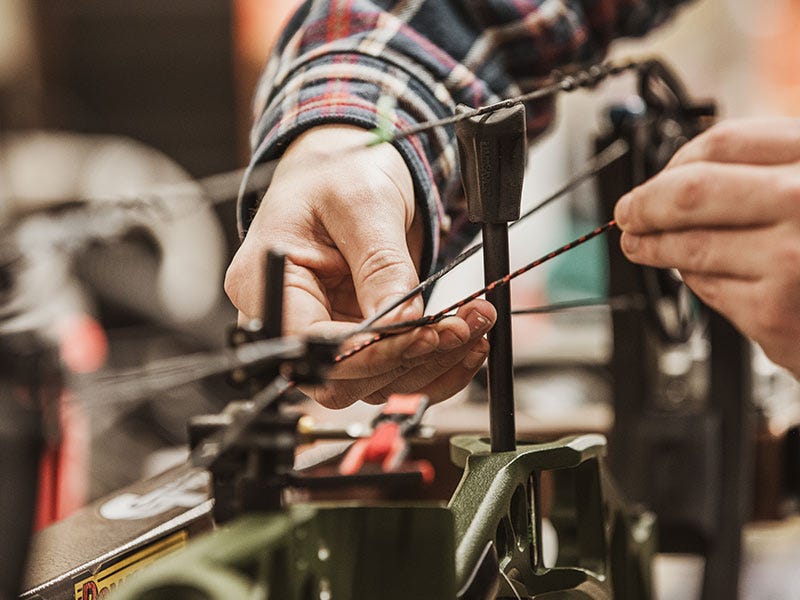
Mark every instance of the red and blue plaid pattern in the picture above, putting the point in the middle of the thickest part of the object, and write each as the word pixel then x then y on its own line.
pixel 337 57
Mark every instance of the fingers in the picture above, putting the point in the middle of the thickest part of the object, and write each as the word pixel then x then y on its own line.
pixel 387 356
pixel 446 384
pixel 702 195
pixel 744 254
pixel 312 267
pixel 459 376
pixel 766 311
pixel 757 141
pixel 367 209
pixel 376 249
pixel 388 367
pixel 725 177
pixel 451 369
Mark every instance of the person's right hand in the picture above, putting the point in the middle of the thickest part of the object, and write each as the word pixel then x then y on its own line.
pixel 344 213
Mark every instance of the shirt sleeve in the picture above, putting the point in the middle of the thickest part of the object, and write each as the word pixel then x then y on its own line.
pixel 336 58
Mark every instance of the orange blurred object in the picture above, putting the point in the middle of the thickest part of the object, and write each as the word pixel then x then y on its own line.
pixel 83 344
pixel 257 24
pixel 64 470
pixel 778 60
pixel 256 27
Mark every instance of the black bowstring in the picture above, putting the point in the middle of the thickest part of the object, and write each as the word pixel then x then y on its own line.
pixel 215 445
pixel 621 302
pixel 130 385
pixel 595 165
pixel 497 283
pixel 110 217
pixel 614 303
pixel 215 189
pixel 211 448
pixel 587 78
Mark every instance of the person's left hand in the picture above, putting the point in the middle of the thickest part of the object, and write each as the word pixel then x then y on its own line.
pixel 726 213
pixel 343 211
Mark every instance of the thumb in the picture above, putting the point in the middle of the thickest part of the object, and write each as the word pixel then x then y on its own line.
pixel 376 249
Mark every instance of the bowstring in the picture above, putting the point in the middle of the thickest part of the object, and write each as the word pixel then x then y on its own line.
pixel 613 303
pixel 208 450
pixel 215 445
pixel 587 78
pixel 596 164
pixel 132 384
pixel 216 189
pixel 428 320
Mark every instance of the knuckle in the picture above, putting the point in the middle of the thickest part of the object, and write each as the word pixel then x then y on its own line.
pixel 684 154
pixel 373 362
pixel 331 397
pixel 235 279
pixel 717 141
pixel 771 319
pixel 788 258
pixel 697 246
pixel 637 215
pixel 708 289
pixel 691 190
pixel 406 365
pixel 439 363
pixel 770 315
pixel 230 283
pixel 379 397
pixel 788 195
pixel 381 262
pixel 355 188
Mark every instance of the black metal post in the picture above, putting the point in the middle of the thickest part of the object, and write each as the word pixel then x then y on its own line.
pixel 492 150
pixel 500 367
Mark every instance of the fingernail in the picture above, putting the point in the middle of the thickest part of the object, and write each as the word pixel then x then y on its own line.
pixel 630 243
pixel 623 210
pixel 419 348
pixel 475 358
pixel 449 340
pixel 477 322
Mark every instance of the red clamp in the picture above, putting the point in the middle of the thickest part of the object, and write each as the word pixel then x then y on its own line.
pixel 387 444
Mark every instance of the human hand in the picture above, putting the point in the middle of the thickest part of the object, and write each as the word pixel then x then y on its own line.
pixel 726 213
pixel 344 214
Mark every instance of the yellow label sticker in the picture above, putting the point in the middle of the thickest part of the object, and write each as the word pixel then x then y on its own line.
pixel 105 581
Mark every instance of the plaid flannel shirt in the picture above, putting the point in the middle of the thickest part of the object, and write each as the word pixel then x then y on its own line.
pixel 335 59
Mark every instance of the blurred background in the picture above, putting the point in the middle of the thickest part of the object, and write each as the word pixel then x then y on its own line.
pixel 108 98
